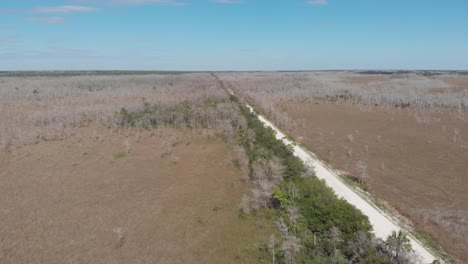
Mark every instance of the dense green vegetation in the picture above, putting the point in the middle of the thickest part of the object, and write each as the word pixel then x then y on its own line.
pixel 317 226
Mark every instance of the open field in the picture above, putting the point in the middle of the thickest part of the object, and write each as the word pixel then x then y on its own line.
pixel 76 201
pixel 416 168
pixel 122 169
pixel 402 135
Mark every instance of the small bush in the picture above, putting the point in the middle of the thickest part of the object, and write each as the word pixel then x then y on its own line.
pixel 120 154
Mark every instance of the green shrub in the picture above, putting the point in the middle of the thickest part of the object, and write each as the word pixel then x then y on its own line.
pixel 281 196
pixel 324 210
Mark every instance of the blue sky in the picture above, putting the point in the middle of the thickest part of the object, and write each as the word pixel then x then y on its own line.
pixel 233 35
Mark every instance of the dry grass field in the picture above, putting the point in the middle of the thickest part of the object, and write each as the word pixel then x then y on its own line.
pixel 75 201
pixel 403 135
pixel 156 167
pixel 83 181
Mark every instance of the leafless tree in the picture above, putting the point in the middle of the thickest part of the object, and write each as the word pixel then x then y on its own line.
pixel 379 138
pixel 293 191
pixel 290 247
pixel 127 147
pixel 308 173
pixel 257 199
pixel 293 214
pixel 121 236
pixel 366 148
pixel 268 91
pixel 275 170
pixel 361 168
pixel 350 152
pixel 272 247
pixel 359 246
pixel 245 205
pixel 282 227
pixel 4 141
pixel 456 133
pixel 64 103
pixel 243 161
pixel 382 166
pixel 335 236
pixel 265 176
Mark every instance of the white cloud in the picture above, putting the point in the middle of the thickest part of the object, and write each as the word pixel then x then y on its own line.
pixel 8 39
pixel 47 20
pixel 6 28
pixel 134 2
pixel 317 2
pixel 64 9
pixel 226 1
pixel 9 11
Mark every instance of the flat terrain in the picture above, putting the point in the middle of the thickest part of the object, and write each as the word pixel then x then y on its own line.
pixel 78 201
pixel 140 168
pixel 122 169
pixel 408 130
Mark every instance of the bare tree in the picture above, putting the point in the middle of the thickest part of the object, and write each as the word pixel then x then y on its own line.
pixel 361 168
pixel 265 176
pixel 245 205
pixel 366 148
pixel 349 153
pixel 127 147
pixel 275 170
pixel 256 199
pixel 293 214
pixel 456 133
pixel 121 236
pixel 293 191
pixel 56 105
pixel 291 246
pixel 308 173
pixel 243 161
pixel 4 141
pixel 272 247
pixel 282 227
pixel 382 166
pixel 359 245
pixel 379 138
pixel 335 236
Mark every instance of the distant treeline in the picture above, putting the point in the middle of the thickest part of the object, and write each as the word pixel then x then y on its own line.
pixel 81 73
pixel 424 73
pixel 125 72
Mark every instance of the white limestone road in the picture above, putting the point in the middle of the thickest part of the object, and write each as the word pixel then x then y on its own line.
pixel 382 224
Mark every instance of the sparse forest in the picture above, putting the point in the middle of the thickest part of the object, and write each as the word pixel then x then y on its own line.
pixel 412 90
pixel 49 108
